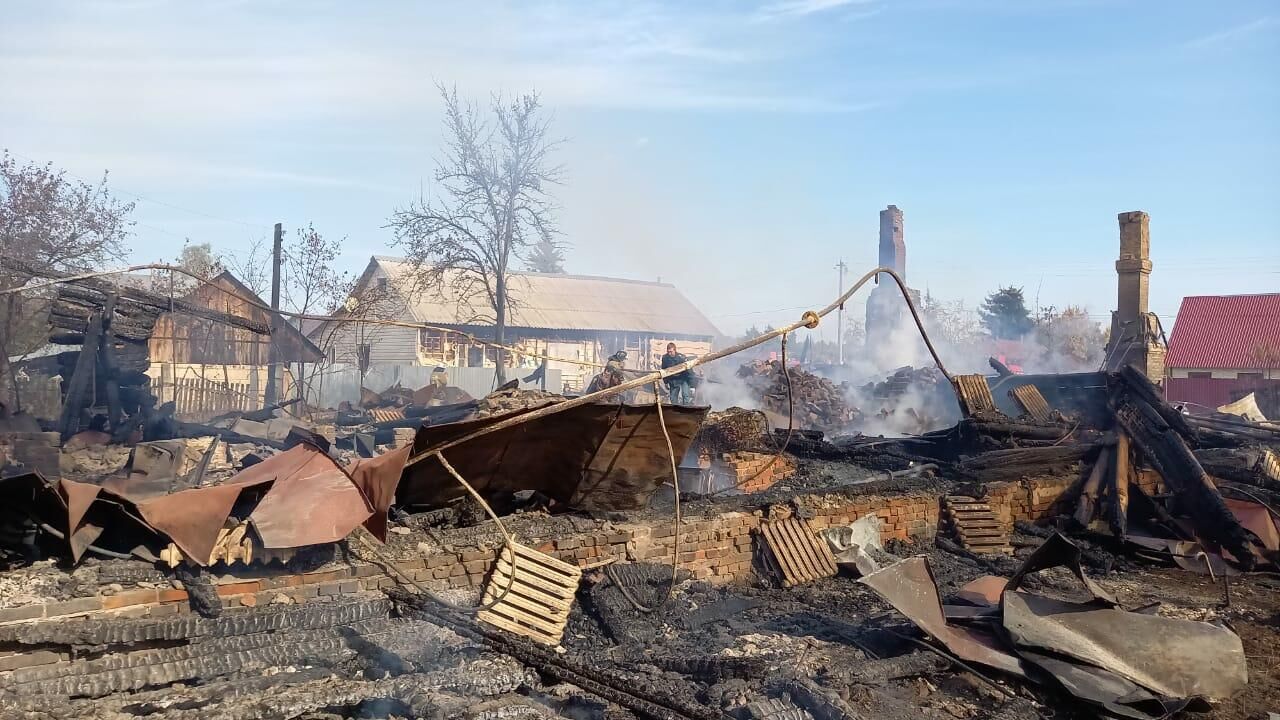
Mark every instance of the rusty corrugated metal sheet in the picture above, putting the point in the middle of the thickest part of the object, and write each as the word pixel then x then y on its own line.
pixel 601 456
pixel 974 394
pixel 386 414
pixel 799 555
pixel 1029 399
pixel 306 499
pixel 1223 331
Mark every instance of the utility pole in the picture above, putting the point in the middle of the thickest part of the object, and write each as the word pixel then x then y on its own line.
pixel 272 395
pixel 840 267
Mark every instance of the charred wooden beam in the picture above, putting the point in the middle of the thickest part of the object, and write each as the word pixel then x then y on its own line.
pixel 74 401
pixel 1018 430
pixel 156 301
pixel 110 368
pixel 1167 451
pixel 1247 466
pixel 1142 387
pixel 128 631
pixel 1087 507
pixel 1121 478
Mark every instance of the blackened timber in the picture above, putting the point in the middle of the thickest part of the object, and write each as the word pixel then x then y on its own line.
pixel 1087 506
pixel 147 298
pixel 1018 430
pixel 1242 465
pixel 107 363
pixel 1169 454
pixel 1142 387
pixel 73 403
pixel 1122 476
pixel 128 631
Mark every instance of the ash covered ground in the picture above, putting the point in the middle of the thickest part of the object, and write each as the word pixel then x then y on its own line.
pixel 832 648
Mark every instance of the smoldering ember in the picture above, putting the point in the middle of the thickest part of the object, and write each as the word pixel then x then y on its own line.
pixel 553 521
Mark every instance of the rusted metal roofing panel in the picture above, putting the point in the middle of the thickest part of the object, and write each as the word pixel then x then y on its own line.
pixel 974 394
pixel 798 554
pixel 1224 332
pixel 560 302
pixel 387 414
pixel 1029 399
pixel 601 456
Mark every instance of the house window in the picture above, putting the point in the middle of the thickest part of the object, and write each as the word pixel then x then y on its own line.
pixel 1248 376
pixel 382 284
pixel 1199 375
pixel 432 341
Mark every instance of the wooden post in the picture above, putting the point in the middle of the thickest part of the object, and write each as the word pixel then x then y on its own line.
pixel 110 375
pixel 273 367
pixel 69 422
pixel 1120 489
pixel 1088 505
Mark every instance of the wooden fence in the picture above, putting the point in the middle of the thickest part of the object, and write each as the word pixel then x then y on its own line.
pixel 198 399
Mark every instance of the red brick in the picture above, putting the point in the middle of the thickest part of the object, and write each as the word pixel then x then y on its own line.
pixel 170 595
pixel 239 588
pixel 131 597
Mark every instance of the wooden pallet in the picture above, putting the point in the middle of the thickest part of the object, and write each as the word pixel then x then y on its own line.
pixel 795 552
pixel 1032 402
pixel 975 526
pixel 537 607
pixel 974 394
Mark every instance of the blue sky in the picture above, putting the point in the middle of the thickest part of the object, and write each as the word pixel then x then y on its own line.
pixel 737 149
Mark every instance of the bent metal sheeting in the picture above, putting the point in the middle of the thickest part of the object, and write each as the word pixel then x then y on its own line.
pixel 304 498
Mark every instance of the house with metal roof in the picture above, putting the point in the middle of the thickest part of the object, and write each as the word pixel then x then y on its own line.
pixel 1224 347
pixel 578 317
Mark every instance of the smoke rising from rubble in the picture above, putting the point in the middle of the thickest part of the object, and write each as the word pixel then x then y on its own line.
pixel 892 382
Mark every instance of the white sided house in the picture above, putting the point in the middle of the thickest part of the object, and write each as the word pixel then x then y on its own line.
pixel 577 317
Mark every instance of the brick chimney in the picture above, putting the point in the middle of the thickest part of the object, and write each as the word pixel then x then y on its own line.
pixel 885 309
pixel 893 248
pixel 1135 331
pixel 1134 265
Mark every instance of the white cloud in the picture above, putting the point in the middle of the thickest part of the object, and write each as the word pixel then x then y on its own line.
pixel 1217 39
pixel 800 8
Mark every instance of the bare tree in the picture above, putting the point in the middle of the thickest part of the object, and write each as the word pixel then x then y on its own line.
pixel 313 287
pixel 253 267
pixel 495 203
pixel 55 223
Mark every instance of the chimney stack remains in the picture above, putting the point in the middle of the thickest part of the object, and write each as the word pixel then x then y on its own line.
pixel 1135 331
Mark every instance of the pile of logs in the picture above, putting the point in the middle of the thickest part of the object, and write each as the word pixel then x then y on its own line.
pixel 732 429
pixel 817 402
pixel 906 379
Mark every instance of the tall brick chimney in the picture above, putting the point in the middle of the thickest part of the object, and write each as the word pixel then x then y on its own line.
pixel 1134 265
pixel 893 248
pixel 885 309
pixel 1135 331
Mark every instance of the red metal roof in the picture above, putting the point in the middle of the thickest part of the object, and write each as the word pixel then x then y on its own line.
pixel 1225 332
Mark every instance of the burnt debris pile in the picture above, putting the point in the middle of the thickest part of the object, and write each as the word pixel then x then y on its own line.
pixel 815 402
